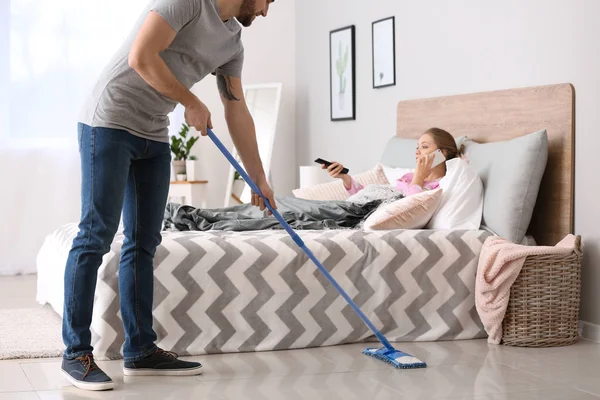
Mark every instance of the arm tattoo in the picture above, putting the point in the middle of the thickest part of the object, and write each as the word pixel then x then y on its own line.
pixel 224 85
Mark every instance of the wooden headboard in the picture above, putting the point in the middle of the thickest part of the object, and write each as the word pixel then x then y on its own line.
pixel 503 115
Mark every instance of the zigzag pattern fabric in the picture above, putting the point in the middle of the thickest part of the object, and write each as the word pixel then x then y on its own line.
pixel 222 292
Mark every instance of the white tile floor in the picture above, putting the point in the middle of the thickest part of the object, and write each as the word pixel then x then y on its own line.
pixel 457 370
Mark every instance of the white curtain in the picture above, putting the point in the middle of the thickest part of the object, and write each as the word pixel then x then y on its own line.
pixel 51 53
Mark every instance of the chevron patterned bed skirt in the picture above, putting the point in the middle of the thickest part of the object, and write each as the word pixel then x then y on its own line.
pixel 218 292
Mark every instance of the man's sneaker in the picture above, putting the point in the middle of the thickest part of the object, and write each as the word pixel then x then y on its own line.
pixel 85 374
pixel 162 363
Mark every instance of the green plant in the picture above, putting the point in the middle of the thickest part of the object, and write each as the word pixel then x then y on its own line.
pixel 182 145
pixel 192 158
pixel 341 65
pixel 237 176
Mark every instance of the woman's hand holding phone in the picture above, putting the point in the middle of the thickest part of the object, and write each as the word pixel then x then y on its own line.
pixel 437 158
pixel 422 170
pixel 425 164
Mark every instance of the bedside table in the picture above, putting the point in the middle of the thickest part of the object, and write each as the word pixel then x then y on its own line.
pixel 192 193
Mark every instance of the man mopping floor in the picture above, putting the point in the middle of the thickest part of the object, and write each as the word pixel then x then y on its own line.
pixel 126 162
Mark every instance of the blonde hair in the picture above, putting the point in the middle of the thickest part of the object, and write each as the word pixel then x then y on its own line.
pixel 445 142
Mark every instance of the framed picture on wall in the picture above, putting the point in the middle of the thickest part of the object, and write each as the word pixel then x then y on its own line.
pixel 342 74
pixel 384 52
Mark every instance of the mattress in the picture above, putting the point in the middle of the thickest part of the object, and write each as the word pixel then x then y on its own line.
pixel 220 292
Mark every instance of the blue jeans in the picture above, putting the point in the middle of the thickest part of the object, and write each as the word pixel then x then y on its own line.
pixel 120 172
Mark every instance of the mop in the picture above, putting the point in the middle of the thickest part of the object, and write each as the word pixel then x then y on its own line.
pixel 385 353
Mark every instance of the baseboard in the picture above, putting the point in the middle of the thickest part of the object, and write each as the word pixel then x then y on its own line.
pixel 589 331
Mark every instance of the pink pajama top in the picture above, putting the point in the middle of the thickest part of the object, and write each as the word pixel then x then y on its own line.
pixel 403 184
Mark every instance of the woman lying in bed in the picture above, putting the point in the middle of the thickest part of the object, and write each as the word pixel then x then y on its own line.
pixel 322 214
pixel 425 177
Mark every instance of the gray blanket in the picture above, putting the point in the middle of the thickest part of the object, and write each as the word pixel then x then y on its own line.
pixel 299 213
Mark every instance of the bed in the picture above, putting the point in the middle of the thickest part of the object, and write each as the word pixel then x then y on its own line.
pixel 219 291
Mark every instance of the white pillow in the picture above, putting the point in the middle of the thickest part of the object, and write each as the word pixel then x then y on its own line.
pixel 393 174
pixel 462 198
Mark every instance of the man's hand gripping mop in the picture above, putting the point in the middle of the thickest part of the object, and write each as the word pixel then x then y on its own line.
pixel 385 353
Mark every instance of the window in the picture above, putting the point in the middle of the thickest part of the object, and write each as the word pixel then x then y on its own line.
pixel 51 54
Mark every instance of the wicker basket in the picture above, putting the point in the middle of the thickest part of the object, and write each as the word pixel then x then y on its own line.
pixel 543 310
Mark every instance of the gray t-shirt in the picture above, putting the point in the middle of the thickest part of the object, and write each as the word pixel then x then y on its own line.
pixel 204 44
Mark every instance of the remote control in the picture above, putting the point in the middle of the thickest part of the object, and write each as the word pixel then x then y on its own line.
pixel 328 163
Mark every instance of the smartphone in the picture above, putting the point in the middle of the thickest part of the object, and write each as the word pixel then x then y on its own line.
pixel 438 158
pixel 328 163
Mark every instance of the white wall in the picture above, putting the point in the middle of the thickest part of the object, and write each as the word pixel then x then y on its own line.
pixel 4 65
pixel 269 57
pixel 451 47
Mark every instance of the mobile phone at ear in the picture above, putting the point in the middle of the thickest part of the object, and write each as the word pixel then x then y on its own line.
pixel 328 163
pixel 438 158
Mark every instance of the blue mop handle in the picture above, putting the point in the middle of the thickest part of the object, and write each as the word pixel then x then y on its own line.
pixel 253 186
pixel 297 238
